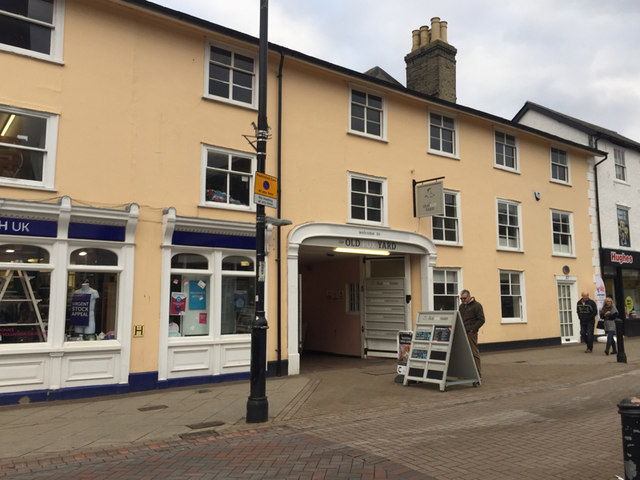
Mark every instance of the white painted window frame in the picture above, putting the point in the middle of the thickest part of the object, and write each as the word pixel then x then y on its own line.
pixel 385 199
pixel 57 35
pixel 567 166
pixel 203 179
pixel 383 115
pixel 234 50
pixel 455 130
pixel 518 205
pixel 457 218
pixel 620 164
pixel 572 246
pixel 523 301
pixel 516 147
pixel 49 151
pixel 447 270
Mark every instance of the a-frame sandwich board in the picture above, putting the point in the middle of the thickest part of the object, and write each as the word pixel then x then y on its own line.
pixel 440 351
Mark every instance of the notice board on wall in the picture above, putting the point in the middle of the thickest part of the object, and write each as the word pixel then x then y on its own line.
pixel 440 351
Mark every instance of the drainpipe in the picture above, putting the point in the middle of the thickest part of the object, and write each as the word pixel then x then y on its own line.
pixel 595 174
pixel 278 231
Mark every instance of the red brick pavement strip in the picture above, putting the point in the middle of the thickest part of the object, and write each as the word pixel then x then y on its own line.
pixel 280 453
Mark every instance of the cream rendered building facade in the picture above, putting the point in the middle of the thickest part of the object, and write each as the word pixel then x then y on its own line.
pixel 127 221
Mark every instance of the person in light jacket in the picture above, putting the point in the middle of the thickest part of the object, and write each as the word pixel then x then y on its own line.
pixel 608 314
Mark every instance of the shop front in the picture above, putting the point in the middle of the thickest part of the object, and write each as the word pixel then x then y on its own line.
pixel 621 274
pixel 66 282
pixel 208 299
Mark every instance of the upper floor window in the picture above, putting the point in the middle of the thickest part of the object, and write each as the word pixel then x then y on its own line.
pixel 367 113
pixel 442 134
pixel 562 228
pixel 621 166
pixel 446 228
pixel 227 178
pixel 446 287
pixel 509 236
pixel 231 76
pixel 559 165
pixel 624 239
pixel 506 151
pixel 367 199
pixel 32 27
pixel 27 147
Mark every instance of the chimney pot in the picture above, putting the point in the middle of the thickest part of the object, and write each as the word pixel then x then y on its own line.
pixel 443 31
pixel 435 29
pixel 415 40
pixel 424 35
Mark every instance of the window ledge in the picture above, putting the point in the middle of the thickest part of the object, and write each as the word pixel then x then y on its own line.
pixel 560 182
pixel 232 103
pixel 621 182
pixel 367 224
pixel 563 255
pixel 92 346
pixel 506 169
pixel 27 187
pixel 440 153
pixel 512 321
pixel 23 52
pixel 512 250
pixel 366 135
pixel 444 243
pixel 224 206
pixel 205 340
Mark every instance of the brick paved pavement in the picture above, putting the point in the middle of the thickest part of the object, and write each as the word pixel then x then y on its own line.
pixel 270 453
pixel 540 414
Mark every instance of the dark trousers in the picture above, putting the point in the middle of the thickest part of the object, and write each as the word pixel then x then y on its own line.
pixel 586 333
pixel 473 343
pixel 610 342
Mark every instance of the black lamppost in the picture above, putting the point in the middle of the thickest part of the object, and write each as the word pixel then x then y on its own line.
pixel 257 404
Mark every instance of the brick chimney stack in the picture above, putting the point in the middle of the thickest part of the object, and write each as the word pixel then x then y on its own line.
pixel 431 65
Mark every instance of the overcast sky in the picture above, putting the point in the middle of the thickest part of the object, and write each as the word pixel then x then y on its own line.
pixel 579 57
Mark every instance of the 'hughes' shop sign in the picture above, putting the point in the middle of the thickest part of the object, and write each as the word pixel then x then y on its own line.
pixel 620 258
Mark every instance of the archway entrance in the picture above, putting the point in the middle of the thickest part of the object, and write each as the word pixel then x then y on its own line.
pixel 350 289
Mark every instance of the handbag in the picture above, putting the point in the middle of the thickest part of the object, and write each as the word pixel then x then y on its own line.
pixel 600 325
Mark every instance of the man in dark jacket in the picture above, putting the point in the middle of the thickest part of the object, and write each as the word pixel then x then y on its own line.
pixel 473 318
pixel 587 311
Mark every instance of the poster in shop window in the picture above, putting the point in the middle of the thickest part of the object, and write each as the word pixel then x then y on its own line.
pixel 80 309
pixel 197 295
pixel 178 303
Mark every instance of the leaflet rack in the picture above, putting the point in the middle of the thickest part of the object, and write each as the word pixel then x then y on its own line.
pixel 29 296
pixel 440 351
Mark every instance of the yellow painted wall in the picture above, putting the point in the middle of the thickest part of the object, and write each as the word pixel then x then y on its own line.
pixel 317 190
pixel 141 78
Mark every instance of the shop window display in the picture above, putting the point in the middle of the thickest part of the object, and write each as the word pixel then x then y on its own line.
pixel 24 294
pixel 238 295
pixel 631 289
pixel 92 295
pixel 189 296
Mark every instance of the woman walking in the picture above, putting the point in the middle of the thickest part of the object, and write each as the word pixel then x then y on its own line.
pixel 608 314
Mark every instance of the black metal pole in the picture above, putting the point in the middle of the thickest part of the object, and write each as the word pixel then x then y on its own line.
pixel 629 410
pixel 622 356
pixel 257 404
